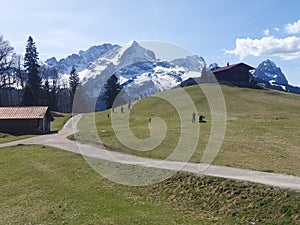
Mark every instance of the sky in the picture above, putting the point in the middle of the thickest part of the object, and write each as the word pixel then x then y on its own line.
pixel 220 31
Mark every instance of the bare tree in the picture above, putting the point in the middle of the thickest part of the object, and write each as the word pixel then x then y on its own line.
pixel 8 78
pixel 20 73
pixel 7 62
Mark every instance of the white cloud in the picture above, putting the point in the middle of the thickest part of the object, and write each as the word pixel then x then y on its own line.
pixel 276 29
pixel 293 28
pixel 286 48
pixel 266 32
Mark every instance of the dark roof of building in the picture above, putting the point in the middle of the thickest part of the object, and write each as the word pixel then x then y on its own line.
pixel 28 112
pixel 231 66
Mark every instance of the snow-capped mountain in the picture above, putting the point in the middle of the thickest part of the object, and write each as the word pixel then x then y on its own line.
pixel 272 77
pixel 142 74
pixel 80 60
pixel 267 71
pixel 139 71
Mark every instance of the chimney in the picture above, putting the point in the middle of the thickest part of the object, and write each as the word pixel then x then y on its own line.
pixel 227 63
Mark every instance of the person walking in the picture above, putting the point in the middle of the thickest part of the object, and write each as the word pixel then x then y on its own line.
pixel 194 117
pixel 129 105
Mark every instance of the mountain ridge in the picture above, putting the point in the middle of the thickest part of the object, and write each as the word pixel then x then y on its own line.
pixel 269 74
pixel 142 74
pixel 81 59
pixel 268 71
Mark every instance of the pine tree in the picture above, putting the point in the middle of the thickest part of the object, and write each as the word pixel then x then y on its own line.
pixel 73 81
pixel 53 95
pixel 46 93
pixel 112 90
pixel 32 90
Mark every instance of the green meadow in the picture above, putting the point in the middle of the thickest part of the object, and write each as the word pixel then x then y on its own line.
pixel 43 185
pixel 262 130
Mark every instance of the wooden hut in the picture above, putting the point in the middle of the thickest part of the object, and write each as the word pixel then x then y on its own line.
pixel 235 73
pixel 25 120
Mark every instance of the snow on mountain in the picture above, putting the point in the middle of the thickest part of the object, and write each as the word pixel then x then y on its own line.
pixel 157 80
pixel 80 60
pixel 133 53
pixel 272 77
pixel 120 59
pixel 191 63
pixel 267 71
pixel 139 71
pixel 142 74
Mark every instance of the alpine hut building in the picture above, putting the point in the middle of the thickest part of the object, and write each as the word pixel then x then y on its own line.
pixel 235 73
pixel 25 120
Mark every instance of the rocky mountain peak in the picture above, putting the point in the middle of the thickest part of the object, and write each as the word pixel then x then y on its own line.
pixel 132 53
pixel 80 60
pixel 267 71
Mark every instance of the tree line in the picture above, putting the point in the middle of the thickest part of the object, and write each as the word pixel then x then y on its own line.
pixel 28 83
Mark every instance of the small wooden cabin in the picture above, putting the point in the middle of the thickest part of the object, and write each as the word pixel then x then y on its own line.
pixel 25 120
pixel 235 73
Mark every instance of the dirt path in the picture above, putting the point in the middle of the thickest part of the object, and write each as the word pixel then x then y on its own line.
pixel 60 141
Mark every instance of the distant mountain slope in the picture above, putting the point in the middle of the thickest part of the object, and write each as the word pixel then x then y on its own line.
pixel 80 60
pixel 267 71
pixel 272 77
pixel 139 71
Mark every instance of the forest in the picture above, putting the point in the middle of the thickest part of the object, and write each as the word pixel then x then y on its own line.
pixel 26 81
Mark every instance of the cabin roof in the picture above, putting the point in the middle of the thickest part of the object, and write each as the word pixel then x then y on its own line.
pixel 231 66
pixel 27 112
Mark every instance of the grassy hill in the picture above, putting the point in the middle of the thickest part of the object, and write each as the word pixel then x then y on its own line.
pixel 43 185
pixel 263 128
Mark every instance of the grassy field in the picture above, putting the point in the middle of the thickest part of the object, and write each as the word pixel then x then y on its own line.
pixel 42 185
pixel 263 128
pixel 59 120
pixel 9 138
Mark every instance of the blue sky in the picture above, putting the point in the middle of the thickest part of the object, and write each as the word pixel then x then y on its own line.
pixel 218 30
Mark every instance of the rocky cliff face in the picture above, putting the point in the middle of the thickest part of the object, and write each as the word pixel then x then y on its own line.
pixel 267 71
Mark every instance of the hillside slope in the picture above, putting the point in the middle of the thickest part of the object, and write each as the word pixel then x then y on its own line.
pixel 263 128
pixel 59 187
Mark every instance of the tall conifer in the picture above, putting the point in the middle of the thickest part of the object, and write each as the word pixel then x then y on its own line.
pixel 112 90
pixel 74 82
pixel 32 90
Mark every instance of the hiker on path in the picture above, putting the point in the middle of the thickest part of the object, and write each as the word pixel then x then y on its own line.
pixel 194 117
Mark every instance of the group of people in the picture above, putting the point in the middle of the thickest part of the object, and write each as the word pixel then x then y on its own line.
pixel 122 108
pixel 200 119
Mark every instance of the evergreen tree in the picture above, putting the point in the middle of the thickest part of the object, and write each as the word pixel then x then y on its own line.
pixel 46 93
pixel 32 90
pixel 53 95
pixel 73 81
pixel 112 90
